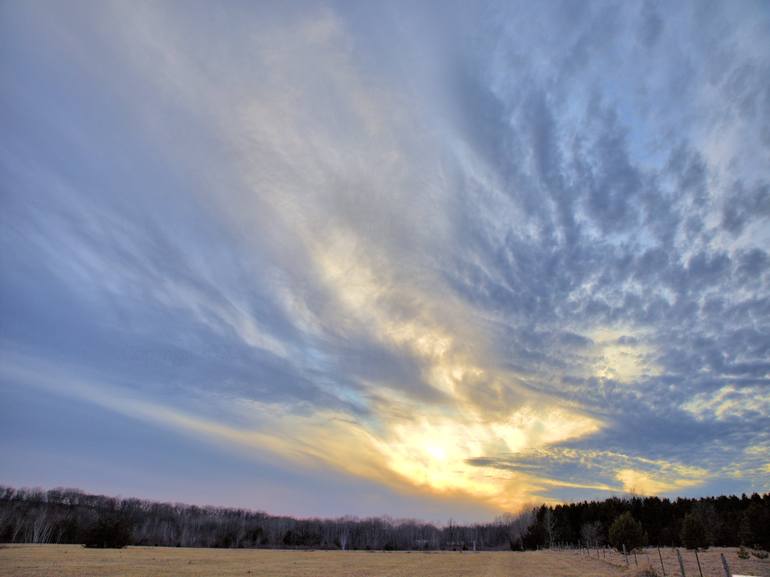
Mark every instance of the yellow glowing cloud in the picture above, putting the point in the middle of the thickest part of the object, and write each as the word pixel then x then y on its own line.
pixel 643 483
pixel 432 452
pixel 429 447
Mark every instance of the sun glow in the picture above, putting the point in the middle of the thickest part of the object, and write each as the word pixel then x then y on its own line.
pixel 429 448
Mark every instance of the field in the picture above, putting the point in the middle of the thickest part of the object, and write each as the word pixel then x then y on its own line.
pixel 75 561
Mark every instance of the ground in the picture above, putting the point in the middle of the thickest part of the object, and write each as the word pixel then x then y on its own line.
pixel 76 561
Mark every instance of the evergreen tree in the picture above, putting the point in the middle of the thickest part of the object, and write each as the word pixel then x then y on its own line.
pixel 694 532
pixel 626 530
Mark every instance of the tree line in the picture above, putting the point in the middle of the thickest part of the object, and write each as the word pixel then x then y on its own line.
pixel 72 516
pixel 726 521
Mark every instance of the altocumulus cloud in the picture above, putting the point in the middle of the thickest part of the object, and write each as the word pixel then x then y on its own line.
pixel 496 253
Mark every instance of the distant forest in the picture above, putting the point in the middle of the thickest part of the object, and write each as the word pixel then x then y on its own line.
pixel 71 516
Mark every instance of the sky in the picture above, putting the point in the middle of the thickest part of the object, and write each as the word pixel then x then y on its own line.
pixel 418 259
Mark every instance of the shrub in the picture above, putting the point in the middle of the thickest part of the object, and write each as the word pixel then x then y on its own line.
pixel 626 530
pixel 743 553
pixel 759 554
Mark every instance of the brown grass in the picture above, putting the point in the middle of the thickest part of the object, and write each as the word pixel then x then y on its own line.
pixel 76 561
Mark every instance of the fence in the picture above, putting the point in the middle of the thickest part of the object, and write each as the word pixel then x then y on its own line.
pixel 667 562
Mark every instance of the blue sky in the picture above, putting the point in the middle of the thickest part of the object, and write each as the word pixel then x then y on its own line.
pixel 418 259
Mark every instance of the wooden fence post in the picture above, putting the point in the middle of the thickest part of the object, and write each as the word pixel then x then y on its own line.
pixel 662 566
pixel 681 563
pixel 625 555
pixel 725 566
pixel 698 560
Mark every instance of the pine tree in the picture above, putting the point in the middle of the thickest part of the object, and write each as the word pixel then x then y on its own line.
pixel 626 530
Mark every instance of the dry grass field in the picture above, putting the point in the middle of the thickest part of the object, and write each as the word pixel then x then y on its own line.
pixel 75 561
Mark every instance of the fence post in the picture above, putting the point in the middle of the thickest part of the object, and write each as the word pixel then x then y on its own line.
pixel 625 555
pixel 681 563
pixel 725 566
pixel 698 560
pixel 636 561
pixel 662 566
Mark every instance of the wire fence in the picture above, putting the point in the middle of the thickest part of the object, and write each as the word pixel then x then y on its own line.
pixel 664 561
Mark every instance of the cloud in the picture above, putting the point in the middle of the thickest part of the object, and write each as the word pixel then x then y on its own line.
pixel 637 482
pixel 599 470
pixel 470 251
pixel 730 403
